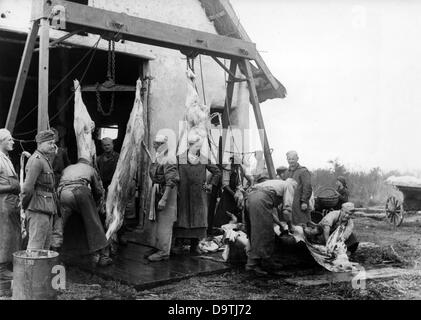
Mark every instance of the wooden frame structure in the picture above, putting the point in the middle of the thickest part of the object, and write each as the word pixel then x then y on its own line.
pixel 109 24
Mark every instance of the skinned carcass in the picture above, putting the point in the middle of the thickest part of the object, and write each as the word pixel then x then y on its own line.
pixel 84 126
pixel 196 116
pixel 118 192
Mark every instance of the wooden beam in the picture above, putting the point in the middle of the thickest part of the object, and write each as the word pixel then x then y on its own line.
pixel 259 120
pixel 22 75
pixel 146 31
pixel 44 44
pixel 58 41
pixel 243 34
pixel 115 88
pixel 226 69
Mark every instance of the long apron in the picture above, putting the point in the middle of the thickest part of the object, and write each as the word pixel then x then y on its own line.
pixel 262 236
pixel 192 205
pixel 10 225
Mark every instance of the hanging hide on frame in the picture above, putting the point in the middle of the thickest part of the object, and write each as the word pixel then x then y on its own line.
pixel 128 163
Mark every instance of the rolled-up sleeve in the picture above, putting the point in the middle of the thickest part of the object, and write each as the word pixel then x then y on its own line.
pixel 348 229
pixel 329 219
pixel 171 175
pixel 288 198
pixel 216 174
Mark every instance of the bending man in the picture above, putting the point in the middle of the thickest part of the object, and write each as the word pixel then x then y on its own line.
pixel 262 205
pixel 80 191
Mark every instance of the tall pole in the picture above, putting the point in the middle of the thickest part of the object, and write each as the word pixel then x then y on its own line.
pixel 43 74
pixel 22 75
pixel 259 120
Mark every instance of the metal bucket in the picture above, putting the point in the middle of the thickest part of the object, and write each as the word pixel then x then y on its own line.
pixel 32 275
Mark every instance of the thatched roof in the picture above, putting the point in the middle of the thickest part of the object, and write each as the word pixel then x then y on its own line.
pixel 227 24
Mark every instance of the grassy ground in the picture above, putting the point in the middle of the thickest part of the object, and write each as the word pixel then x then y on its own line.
pixel 399 248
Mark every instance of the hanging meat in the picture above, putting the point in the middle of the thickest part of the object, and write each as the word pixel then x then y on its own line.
pixel 196 114
pixel 84 126
pixel 118 192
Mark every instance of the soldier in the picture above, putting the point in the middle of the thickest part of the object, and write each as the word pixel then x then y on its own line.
pixel 38 192
pixel 302 195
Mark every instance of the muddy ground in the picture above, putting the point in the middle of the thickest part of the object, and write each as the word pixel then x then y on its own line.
pixel 397 248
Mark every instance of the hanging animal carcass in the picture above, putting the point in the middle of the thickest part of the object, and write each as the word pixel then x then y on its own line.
pixel 118 192
pixel 196 116
pixel 83 126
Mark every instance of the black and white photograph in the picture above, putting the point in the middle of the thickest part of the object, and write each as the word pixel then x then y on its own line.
pixel 210 154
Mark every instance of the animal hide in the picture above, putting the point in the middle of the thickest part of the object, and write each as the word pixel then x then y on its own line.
pixel 196 116
pixel 83 126
pixel 118 192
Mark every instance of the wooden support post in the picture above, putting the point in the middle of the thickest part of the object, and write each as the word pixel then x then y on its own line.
pixel 143 177
pixel 259 119
pixel 44 44
pixel 227 107
pixel 22 75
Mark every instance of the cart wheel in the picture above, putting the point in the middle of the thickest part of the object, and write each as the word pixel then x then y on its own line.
pixel 394 211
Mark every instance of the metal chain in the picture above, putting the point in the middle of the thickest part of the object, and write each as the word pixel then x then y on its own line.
pixel 111 76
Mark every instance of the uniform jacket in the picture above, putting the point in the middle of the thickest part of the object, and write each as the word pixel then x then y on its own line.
pixel 165 174
pixel 302 194
pixel 303 178
pixel 38 192
pixel 106 166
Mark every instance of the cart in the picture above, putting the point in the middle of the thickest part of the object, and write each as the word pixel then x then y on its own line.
pixel 396 209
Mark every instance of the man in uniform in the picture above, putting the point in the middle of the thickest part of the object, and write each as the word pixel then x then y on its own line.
pixel 81 192
pixel 302 195
pixel 107 162
pixel 38 192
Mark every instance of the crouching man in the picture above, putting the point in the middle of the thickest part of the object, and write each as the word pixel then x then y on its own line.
pixel 320 233
pixel 81 192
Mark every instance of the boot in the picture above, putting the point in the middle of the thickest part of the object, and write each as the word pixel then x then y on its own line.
pixel 158 256
pixel 194 247
pixel 5 274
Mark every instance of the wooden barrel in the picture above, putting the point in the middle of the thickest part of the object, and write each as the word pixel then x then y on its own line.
pixel 32 275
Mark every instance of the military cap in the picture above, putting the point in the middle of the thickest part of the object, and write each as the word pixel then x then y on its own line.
pixel 45 135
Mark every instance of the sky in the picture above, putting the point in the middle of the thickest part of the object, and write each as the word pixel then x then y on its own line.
pixel 352 70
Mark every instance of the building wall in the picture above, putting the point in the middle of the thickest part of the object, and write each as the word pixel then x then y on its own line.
pixel 167 67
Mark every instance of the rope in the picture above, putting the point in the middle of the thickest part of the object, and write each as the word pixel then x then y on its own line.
pixel 71 96
pixel 60 82
pixel 81 79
